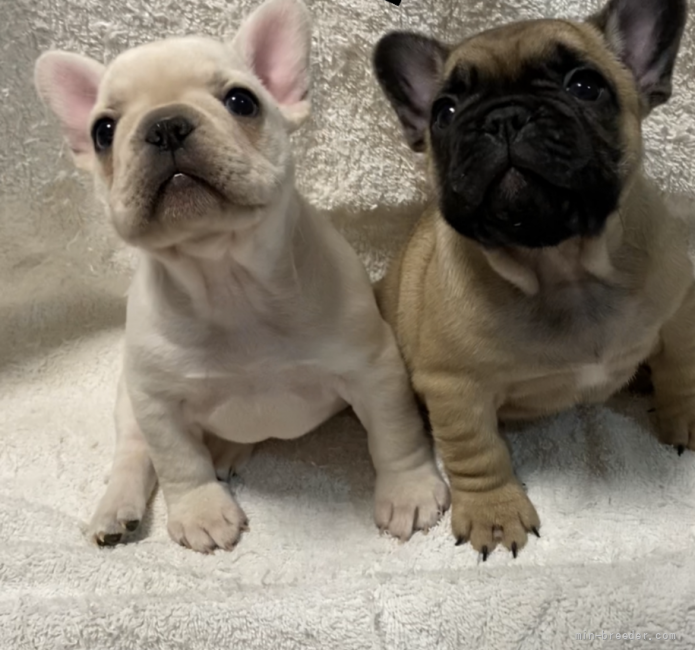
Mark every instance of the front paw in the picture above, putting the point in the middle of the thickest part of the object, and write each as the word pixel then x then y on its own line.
pixel 207 518
pixel 410 500
pixel 118 514
pixel 504 514
pixel 677 429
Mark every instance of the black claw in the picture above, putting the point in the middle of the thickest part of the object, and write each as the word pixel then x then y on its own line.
pixel 681 450
pixel 132 524
pixel 485 551
pixel 534 530
pixel 515 550
pixel 460 541
pixel 110 540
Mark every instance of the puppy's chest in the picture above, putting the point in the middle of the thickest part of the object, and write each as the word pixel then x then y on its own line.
pixel 589 322
pixel 583 344
pixel 261 403
pixel 249 386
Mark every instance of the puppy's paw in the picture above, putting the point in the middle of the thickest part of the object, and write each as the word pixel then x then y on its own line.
pixel 116 516
pixel 207 518
pixel 487 518
pixel 409 501
pixel 677 430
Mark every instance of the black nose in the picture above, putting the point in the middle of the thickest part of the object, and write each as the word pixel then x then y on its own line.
pixel 168 134
pixel 506 122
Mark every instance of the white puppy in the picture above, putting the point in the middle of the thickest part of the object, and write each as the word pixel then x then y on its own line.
pixel 249 316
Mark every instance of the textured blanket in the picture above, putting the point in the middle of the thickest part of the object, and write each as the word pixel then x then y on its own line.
pixel 617 555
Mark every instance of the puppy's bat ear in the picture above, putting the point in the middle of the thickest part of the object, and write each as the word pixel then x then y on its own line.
pixel 645 35
pixel 408 67
pixel 275 42
pixel 68 84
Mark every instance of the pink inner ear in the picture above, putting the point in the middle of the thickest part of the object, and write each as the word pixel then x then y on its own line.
pixel 73 96
pixel 277 53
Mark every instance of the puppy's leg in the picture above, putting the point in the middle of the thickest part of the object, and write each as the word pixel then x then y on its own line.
pixel 489 504
pixel 673 376
pixel 202 514
pixel 131 482
pixel 410 492
pixel 226 456
pixel 641 383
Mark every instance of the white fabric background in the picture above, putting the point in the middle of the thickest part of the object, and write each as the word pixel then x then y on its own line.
pixel 618 510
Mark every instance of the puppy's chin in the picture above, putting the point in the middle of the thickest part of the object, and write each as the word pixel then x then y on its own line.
pixel 521 208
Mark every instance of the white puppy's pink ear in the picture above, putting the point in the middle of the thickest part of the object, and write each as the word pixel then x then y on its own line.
pixel 68 84
pixel 275 42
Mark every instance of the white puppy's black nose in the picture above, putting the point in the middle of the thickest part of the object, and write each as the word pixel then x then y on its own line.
pixel 169 134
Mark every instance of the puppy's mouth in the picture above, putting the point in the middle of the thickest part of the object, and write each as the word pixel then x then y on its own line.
pixel 510 183
pixel 513 204
pixel 507 172
pixel 181 183
pixel 183 194
pixel 512 199
pixel 516 202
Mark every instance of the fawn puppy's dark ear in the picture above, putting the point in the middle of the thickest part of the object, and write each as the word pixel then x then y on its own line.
pixel 408 67
pixel 645 35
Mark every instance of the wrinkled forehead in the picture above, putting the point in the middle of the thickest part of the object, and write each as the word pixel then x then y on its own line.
pixel 512 51
pixel 160 72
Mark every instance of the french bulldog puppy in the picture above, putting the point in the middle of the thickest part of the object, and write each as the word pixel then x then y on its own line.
pixel 548 269
pixel 249 316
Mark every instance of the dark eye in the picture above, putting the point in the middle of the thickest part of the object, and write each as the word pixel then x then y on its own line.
pixel 240 101
pixel 584 84
pixel 443 112
pixel 103 133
